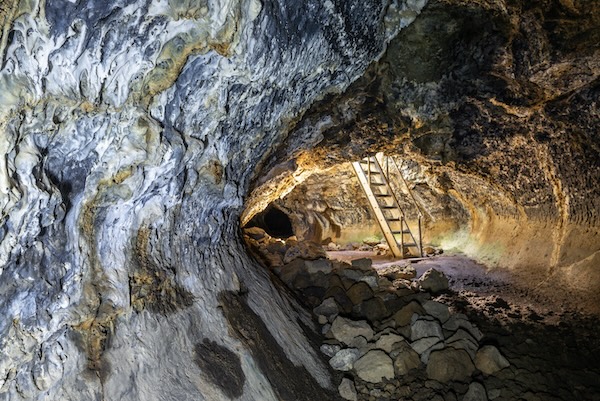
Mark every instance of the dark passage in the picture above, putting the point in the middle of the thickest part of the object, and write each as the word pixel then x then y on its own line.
pixel 274 221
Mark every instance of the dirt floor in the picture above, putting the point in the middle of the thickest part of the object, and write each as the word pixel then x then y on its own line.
pixel 553 348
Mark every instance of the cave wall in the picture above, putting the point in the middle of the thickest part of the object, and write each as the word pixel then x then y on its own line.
pixel 130 133
pixel 500 101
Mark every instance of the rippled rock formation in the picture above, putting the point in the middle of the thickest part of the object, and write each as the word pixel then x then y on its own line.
pixel 133 131
pixel 130 133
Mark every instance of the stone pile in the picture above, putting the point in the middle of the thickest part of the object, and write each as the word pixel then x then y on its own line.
pixel 276 252
pixel 382 326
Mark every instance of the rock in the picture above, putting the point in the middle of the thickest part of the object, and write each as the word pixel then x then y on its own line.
pixel 476 392
pixel 332 246
pixel 361 343
pixel 360 292
pixel 371 241
pixel 387 341
pixel 489 360
pixel 328 308
pixel 322 319
pixel 463 340
pixel 344 359
pixel 428 251
pixel 347 390
pixel 373 281
pixel 381 249
pixel 276 246
pixel 374 366
pixel 404 316
pixel 256 233
pixel 384 283
pixel 450 364
pixel 405 359
pixel 433 281
pixel 422 328
pixel 437 310
pixel 460 321
pixel 365 264
pixel 339 294
pixel 318 265
pixel 330 349
pixel 425 354
pixel 373 309
pixel 288 272
pixel 345 330
pixel 306 250
pixel 423 344
pixel 397 272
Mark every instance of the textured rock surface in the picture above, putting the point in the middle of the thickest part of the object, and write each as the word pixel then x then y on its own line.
pixel 130 132
pixel 374 366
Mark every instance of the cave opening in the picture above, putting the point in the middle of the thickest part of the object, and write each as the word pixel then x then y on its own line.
pixel 274 221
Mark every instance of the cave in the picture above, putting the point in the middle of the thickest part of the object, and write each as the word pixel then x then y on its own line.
pixel 274 221
pixel 180 218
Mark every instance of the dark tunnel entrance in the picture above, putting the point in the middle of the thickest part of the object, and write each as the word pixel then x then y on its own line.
pixel 274 221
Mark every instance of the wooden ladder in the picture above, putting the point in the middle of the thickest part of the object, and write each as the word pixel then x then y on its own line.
pixel 390 216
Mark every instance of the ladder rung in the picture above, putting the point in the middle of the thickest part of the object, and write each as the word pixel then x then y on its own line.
pixel 394 219
pixel 384 195
pixel 378 184
pixel 410 244
pixel 389 207
pixel 401 232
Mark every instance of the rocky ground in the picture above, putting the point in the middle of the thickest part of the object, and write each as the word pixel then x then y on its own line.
pixel 440 328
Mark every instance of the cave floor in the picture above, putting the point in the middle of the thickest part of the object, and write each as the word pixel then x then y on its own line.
pixel 553 348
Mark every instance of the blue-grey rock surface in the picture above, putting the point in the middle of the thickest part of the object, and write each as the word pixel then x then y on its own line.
pixel 130 133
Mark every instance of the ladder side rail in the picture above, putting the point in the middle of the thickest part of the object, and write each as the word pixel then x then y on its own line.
pixel 397 205
pixel 375 207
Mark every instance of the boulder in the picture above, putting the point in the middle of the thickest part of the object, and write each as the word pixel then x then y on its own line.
pixel 422 328
pixel 476 392
pixel 489 360
pixel 404 316
pixel 347 390
pixel 344 359
pixel 450 364
pixel 463 340
pixel 288 272
pixel 345 330
pixel 365 264
pixel 460 321
pixel 373 309
pixel 318 265
pixel 405 359
pixel 437 310
pixel 372 280
pixel 423 344
pixel 339 294
pixel 360 292
pixel 330 349
pixel 306 250
pixel 328 308
pixel 387 341
pixel 256 233
pixel 425 354
pixel 397 272
pixel 374 366
pixel 433 281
